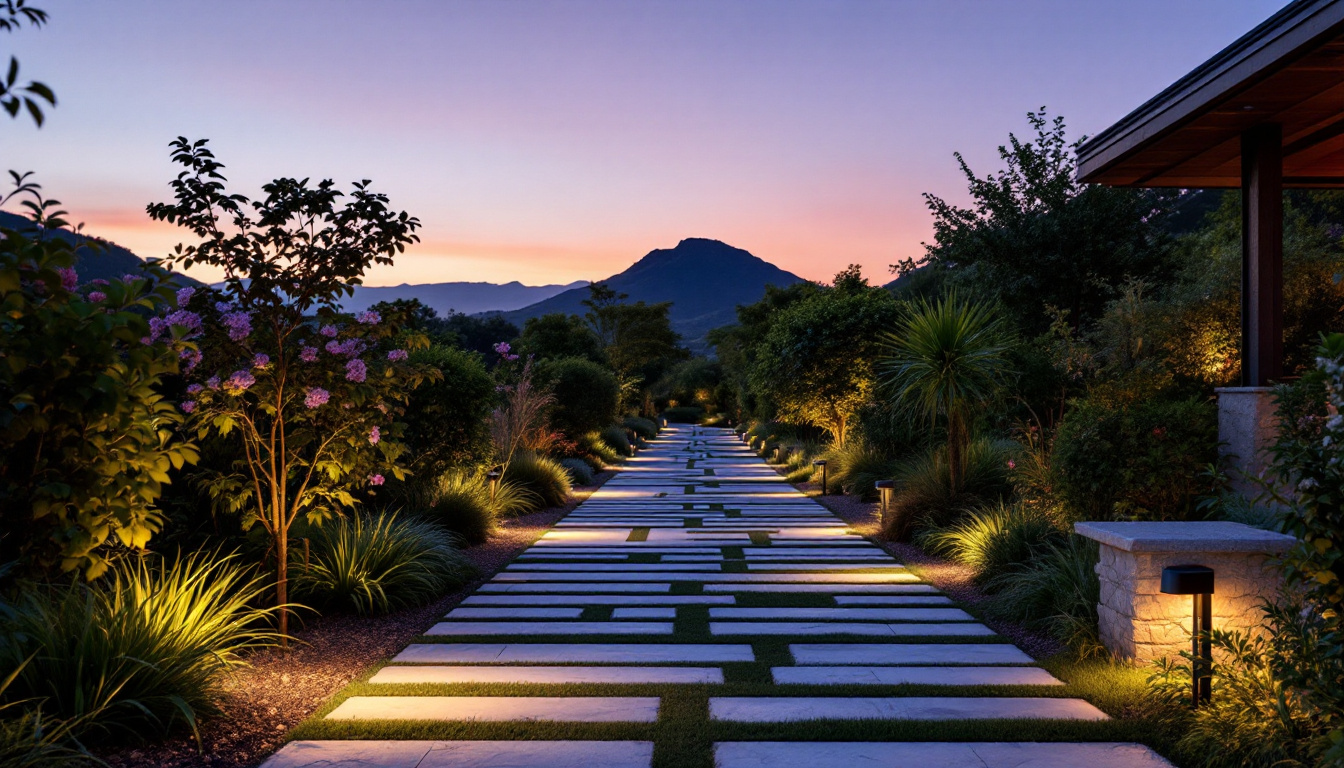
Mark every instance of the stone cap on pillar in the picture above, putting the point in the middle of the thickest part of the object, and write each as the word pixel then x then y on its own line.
pixel 1203 536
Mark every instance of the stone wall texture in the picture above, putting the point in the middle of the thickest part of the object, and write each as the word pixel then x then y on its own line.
pixel 1141 624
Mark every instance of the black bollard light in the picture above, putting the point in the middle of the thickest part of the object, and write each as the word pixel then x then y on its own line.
pixel 821 463
pixel 1197 581
pixel 885 489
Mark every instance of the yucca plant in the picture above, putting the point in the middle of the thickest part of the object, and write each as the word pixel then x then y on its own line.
pixel 945 359
pixel 993 540
pixel 464 503
pixel 378 564
pixel 542 476
pixel 142 651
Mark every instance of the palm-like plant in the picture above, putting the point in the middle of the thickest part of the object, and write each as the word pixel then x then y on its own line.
pixel 944 359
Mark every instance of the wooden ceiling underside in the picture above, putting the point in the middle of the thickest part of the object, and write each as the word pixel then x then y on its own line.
pixel 1305 96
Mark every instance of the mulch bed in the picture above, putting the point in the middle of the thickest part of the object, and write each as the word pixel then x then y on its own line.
pixel 279 690
pixel 952 578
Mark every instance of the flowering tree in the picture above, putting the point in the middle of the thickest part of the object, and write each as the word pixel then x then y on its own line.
pixel 312 394
pixel 86 441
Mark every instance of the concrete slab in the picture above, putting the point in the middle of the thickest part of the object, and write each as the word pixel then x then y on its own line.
pixel 599 600
pixel 830 589
pixel 778 709
pixel 544 587
pixel 783 754
pixel 896 577
pixel 472 612
pixel 847 654
pixel 721 628
pixel 644 613
pixel 550 628
pixel 843 614
pixel 501 709
pixel 913 675
pixel 546 675
pixel 574 653
pixel 847 600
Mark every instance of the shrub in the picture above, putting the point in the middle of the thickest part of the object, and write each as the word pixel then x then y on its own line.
pixel 542 476
pixel 994 540
pixel 447 419
pixel 645 428
pixel 1057 591
pixel 616 440
pixel 684 414
pixel 371 565
pixel 30 739
pixel 925 498
pixel 586 394
pixel 856 465
pixel 597 453
pixel 1140 459
pixel 140 652
pixel 579 471
pixel 462 503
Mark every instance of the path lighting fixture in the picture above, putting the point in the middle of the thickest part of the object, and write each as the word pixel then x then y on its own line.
pixel 885 488
pixel 821 463
pixel 493 477
pixel 1195 580
pixel 663 422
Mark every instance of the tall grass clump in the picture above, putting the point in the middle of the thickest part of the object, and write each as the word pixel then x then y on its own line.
pixel 378 564
pixel 645 428
pixel 616 439
pixel 141 652
pixel 856 465
pixel 543 477
pixel 1057 592
pixel 597 453
pixel 579 471
pixel 926 497
pixel 31 739
pixel 994 540
pixel 462 503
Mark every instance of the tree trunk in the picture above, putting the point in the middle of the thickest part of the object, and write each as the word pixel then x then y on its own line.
pixel 954 452
pixel 282 584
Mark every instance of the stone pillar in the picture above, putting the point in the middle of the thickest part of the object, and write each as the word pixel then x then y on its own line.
pixel 1137 622
pixel 1247 424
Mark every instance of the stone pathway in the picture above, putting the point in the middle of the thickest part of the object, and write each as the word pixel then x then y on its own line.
pixel 675 617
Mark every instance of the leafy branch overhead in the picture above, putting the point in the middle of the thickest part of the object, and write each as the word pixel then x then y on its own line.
pixel 16 96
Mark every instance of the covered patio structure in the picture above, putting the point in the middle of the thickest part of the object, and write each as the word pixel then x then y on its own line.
pixel 1264 114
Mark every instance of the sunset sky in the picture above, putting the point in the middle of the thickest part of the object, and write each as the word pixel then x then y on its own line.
pixel 555 141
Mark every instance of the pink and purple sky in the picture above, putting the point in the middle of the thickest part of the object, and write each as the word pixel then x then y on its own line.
pixel 547 142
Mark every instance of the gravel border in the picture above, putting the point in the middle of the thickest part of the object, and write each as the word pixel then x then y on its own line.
pixel 952 578
pixel 279 690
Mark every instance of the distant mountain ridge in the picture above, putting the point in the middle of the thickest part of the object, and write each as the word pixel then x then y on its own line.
pixel 466 298
pixel 109 262
pixel 704 279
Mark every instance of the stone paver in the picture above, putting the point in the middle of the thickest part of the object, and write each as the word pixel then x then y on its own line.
pixel 698 527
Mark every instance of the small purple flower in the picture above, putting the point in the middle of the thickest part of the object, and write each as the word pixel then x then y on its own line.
pixel 69 278
pixel 356 371
pixel 193 358
pixel 99 281
pixel 239 382
pixel 260 360
pixel 375 479
pixel 308 354
pixel 374 436
pixel 184 296
pixel 97 296
pixel 503 348
pixel 397 354
pixel 212 382
pixel 239 325
pixel 189 406
pixel 128 278
pixel 223 306
pixel 189 320
pixel 315 397
pixel 329 331
pixel 370 318
pixel 194 388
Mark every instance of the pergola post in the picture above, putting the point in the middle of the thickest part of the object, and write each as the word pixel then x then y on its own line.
pixel 1246 417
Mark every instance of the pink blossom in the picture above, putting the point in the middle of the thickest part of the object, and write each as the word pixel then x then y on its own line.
pixel 329 331
pixel 239 382
pixel 374 436
pixel 239 325
pixel 347 405
pixel 69 278
pixel 1012 464
pixel 375 479
pixel 316 396
pixel 397 354
pixel 97 296
pixel 370 318
pixel 184 296
pixel 189 406
pixel 308 354
pixel 212 382
pixel 260 360
pixel 347 348
pixel 356 371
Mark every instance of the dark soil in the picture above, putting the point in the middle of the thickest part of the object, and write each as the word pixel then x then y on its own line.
pixel 279 689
